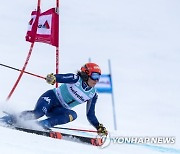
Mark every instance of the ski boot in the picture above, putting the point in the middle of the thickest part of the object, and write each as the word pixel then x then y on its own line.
pixel 8 120
pixel 44 124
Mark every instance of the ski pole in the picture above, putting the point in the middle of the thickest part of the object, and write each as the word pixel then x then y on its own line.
pixel 82 130
pixel 20 71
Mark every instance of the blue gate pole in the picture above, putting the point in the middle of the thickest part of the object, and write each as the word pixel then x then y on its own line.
pixel 112 94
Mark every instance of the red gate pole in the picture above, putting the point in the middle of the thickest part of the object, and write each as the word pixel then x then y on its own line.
pixel 21 73
pixel 27 59
pixel 57 48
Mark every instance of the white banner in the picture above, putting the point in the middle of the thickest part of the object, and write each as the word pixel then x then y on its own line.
pixel 44 25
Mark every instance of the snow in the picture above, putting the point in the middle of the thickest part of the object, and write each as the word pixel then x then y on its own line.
pixel 141 38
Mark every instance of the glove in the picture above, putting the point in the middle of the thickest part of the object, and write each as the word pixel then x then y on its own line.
pixel 51 79
pixel 101 130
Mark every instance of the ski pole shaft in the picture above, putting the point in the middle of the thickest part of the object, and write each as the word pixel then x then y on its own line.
pixel 83 130
pixel 24 71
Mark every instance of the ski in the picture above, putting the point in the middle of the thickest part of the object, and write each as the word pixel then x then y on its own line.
pixel 64 136
pixel 53 134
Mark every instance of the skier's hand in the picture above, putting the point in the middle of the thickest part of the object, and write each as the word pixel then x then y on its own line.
pixel 51 79
pixel 101 130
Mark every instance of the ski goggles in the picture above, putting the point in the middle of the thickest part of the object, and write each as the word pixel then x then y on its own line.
pixel 95 76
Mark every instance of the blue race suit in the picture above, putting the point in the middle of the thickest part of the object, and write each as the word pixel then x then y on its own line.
pixel 57 103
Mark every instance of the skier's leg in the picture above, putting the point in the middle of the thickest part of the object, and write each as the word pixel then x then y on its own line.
pixel 59 116
pixel 43 104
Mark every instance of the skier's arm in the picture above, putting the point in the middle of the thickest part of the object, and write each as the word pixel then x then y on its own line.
pixel 90 111
pixel 62 78
pixel 101 130
pixel 66 78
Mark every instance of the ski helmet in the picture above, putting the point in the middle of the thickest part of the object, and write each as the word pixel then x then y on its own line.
pixel 90 68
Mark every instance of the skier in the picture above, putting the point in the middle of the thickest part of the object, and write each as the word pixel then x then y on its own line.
pixel 75 89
